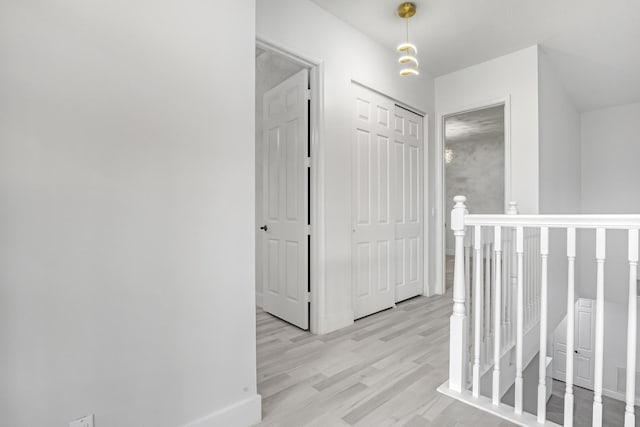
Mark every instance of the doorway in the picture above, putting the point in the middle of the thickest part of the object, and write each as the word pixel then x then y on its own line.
pixel 287 139
pixel 474 159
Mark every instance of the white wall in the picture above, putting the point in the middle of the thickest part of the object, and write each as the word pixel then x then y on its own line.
pixel 610 179
pixel 304 28
pixel 515 76
pixel 610 176
pixel 126 228
pixel 615 349
pixel 559 184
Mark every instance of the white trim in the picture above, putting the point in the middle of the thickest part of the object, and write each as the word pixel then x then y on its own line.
pixel 440 241
pixel 502 410
pixel 429 289
pixel 317 261
pixel 244 413
pixel 616 395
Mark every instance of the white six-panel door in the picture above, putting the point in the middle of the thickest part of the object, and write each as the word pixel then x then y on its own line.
pixel 408 203
pixel 285 201
pixel 585 343
pixel 584 346
pixel 386 203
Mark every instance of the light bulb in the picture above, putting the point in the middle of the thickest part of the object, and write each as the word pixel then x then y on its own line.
pixel 409 72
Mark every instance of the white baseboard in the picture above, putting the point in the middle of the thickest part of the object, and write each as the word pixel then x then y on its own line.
pixel 245 413
pixel 335 321
pixel 618 395
pixel 502 410
pixel 259 299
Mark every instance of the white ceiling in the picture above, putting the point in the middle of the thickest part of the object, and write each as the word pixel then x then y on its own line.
pixel 593 44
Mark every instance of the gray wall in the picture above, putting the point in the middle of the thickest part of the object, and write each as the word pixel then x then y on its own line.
pixel 477 167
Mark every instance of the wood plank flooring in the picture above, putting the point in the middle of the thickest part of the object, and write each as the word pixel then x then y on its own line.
pixel 381 371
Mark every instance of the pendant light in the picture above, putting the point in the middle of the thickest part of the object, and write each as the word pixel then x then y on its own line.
pixel 408 51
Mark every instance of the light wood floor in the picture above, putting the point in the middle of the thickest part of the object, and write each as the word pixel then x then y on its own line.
pixel 382 371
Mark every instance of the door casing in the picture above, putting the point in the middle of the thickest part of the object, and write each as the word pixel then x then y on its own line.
pixel 440 215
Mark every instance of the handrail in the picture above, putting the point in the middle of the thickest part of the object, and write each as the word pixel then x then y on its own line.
pixel 518 289
pixel 622 222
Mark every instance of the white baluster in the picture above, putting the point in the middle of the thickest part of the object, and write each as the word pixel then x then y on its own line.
pixel 528 278
pixel 542 380
pixel 519 322
pixel 537 274
pixel 458 323
pixel 568 395
pixel 487 294
pixel 513 278
pixel 599 347
pixel 477 307
pixel 629 416
pixel 467 280
pixel 497 329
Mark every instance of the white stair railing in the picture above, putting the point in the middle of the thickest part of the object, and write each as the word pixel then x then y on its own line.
pixel 500 293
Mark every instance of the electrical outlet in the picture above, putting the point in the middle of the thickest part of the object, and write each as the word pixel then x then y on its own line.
pixel 83 422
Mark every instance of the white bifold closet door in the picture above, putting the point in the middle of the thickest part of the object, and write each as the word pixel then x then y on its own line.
pixel 285 201
pixel 386 203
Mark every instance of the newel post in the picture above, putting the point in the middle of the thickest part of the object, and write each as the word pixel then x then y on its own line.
pixel 458 323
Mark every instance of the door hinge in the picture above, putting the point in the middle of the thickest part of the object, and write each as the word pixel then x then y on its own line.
pixel 307 94
pixel 308 296
pixel 307 229
pixel 307 162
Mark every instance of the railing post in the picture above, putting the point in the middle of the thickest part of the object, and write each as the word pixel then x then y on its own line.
pixel 629 416
pixel 458 322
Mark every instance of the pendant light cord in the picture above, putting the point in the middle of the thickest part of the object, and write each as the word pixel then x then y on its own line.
pixel 407 29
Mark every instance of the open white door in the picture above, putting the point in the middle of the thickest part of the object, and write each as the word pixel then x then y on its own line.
pixel 285 201
pixel 584 346
pixel 585 341
pixel 407 203
pixel 373 236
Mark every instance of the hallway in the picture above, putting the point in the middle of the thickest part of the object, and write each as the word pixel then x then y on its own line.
pixel 381 371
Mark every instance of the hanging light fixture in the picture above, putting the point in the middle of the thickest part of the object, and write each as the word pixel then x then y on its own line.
pixel 408 51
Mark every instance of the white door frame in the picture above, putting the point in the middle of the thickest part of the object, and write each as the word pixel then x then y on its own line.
pixel 317 278
pixel 440 240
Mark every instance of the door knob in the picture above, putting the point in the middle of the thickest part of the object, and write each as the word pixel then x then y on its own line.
pixel 575 351
pixel 264 227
